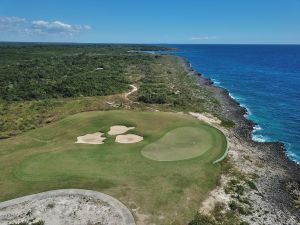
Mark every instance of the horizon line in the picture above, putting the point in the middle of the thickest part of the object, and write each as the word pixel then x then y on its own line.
pixel 135 43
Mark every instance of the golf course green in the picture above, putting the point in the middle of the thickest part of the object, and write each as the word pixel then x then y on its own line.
pixel 164 177
pixel 184 143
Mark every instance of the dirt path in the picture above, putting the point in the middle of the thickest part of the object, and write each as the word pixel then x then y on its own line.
pixel 134 89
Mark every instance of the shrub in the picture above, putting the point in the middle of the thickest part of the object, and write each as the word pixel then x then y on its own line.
pixel 240 189
pixel 227 123
pixel 40 222
pixel 251 184
pixel 201 219
pixel 234 206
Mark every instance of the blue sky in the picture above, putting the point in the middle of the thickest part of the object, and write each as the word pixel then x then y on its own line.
pixel 151 21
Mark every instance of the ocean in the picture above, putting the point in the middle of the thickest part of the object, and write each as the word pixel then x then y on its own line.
pixel 263 78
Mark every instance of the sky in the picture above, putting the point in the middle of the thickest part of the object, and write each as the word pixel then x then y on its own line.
pixel 151 21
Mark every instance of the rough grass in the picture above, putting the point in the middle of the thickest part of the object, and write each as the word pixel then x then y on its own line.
pixel 185 143
pixel 47 158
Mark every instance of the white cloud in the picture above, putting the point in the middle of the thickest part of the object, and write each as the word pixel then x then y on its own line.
pixel 203 38
pixel 9 22
pixel 87 27
pixel 58 27
pixel 40 27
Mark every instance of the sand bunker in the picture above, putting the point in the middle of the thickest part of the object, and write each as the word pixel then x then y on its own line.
pixel 93 139
pixel 118 129
pixel 97 139
pixel 128 138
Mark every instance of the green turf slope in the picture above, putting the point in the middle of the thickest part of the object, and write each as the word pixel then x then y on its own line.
pixel 185 143
pixel 168 192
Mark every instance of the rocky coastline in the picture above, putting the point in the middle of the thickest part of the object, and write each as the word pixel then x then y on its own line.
pixel 277 199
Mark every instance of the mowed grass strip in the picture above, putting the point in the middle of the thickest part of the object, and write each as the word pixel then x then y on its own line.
pixel 185 143
pixel 167 192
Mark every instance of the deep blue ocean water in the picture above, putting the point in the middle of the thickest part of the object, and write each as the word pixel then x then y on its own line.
pixel 263 78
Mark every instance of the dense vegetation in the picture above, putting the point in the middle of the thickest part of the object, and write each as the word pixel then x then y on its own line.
pixel 44 75
pixel 166 82
pixel 43 71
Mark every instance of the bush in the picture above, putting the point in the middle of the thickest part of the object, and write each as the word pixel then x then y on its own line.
pixel 201 219
pixel 240 189
pixel 40 222
pixel 227 123
pixel 234 206
pixel 153 98
pixel 251 184
pixel 244 223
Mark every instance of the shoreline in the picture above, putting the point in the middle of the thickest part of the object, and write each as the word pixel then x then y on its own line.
pixel 277 173
pixel 250 125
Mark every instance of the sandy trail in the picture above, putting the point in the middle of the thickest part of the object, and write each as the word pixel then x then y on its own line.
pixel 134 89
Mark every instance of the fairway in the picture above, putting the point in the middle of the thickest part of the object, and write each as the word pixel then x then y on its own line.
pixel 165 176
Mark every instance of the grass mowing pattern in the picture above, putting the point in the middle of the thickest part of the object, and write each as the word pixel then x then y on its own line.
pixel 47 158
pixel 185 143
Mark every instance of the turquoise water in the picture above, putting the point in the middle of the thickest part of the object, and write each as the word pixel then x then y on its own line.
pixel 263 78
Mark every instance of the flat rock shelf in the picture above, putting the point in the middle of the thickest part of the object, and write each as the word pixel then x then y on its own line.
pixel 68 207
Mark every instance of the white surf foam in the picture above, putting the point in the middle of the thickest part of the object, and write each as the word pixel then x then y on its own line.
pixel 259 138
pixel 257 128
pixel 216 82
pixel 293 156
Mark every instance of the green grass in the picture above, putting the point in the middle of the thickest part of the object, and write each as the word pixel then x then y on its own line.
pixel 185 143
pixel 168 192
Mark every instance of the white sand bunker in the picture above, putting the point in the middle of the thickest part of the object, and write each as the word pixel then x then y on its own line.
pixel 93 139
pixel 128 138
pixel 119 129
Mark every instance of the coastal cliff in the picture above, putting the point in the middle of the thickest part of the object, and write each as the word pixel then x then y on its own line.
pixel 275 199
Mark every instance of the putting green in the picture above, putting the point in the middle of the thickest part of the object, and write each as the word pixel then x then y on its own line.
pixel 48 158
pixel 184 143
